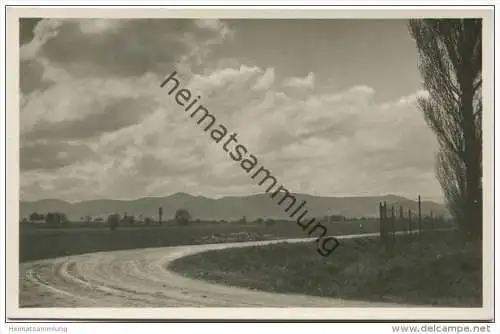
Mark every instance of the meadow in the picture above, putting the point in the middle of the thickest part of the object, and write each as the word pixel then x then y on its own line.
pixel 39 241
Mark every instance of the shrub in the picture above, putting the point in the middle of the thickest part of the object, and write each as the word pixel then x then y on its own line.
pixel 56 218
pixel 182 217
pixel 113 221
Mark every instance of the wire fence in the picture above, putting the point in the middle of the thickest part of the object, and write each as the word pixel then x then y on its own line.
pixel 397 220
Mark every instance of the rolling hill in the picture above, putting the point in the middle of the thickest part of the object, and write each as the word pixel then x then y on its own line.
pixel 225 208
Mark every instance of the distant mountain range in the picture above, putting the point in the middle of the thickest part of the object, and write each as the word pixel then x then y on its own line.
pixel 226 208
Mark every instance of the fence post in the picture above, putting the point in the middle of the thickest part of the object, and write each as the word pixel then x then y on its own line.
pixel 381 223
pixel 419 218
pixel 401 217
pixel 384 219
pixel 409 222
pixel 393 223
pixel 385 227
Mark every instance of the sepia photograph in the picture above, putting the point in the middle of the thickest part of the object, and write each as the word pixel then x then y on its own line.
pixel 250 162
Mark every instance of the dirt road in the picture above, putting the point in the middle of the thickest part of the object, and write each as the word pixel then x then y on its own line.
pixel 140 278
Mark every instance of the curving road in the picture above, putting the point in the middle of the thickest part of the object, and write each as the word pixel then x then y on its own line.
pixel 140 278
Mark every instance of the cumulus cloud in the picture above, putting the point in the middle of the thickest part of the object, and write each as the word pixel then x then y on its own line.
pixel 53 155
pixel 95 123
pixel 265 81
pixel 98 26
pixel 307 82
pixel 119 47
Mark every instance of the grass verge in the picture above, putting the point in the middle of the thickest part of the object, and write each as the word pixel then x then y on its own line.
pixel 439 271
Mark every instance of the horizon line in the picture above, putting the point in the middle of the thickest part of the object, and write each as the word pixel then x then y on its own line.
pixel 234 196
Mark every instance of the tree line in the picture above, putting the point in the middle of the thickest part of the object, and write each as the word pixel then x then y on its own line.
pixel 181 217
pixel 50 218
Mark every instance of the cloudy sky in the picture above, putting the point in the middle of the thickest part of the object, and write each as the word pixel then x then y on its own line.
pixel 327 105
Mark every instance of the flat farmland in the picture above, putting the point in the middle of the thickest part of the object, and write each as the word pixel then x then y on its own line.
pixel 41 242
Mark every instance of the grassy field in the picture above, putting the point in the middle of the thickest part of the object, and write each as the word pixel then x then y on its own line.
pixel 440 271
pixel 41 241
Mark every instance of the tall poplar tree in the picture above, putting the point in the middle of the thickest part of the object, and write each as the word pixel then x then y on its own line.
pixel 450 55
